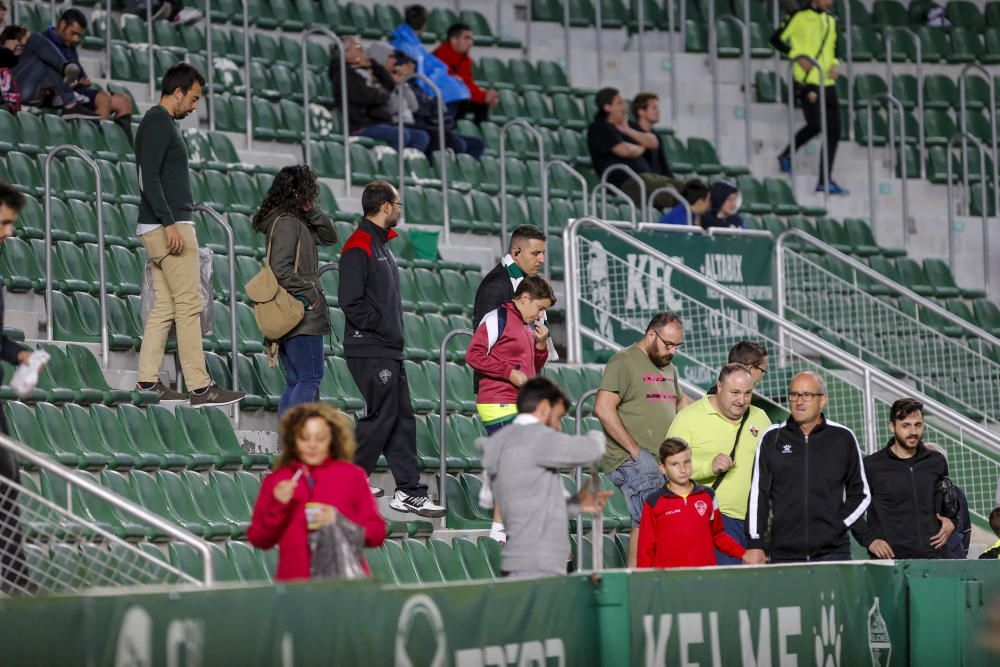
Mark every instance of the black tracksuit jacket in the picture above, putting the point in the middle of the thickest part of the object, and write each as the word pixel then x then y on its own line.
pixel 904 502
pixel 808 489
pixel 369 294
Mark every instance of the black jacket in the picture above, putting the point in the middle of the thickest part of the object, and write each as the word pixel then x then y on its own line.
pixel 369 294
pixel 9 350
pixel 904 502
pixel 301 233
pixel 367 100
pixel 494 291
pixel 7 58
pixel 799 486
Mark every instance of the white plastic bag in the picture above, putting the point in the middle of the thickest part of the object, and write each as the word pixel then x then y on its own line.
pixel 147 294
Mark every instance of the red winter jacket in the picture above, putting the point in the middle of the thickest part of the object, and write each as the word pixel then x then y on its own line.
pixel 338 483
pixel 502 343
pixel 683 532
pixel 460 66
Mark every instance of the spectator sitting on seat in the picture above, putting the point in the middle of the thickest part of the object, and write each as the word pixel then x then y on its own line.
pixel 424 110
pixel 612 140
pixel 12 40
pixel 173 11
pixel 454 52
pixel 50 74
pixel 522 463
pixel 726 200
pixel 369 86
pixel 646 109
pixel 696 193
pixel 406 37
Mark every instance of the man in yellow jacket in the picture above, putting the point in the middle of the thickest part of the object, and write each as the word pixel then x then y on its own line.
pixel 812 33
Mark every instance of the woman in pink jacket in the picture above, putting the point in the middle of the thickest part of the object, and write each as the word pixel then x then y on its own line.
pixel 313 470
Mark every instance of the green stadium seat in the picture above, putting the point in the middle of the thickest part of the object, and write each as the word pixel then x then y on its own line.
pixel 755 197
pixel 866 44
pixel 966 46
pixel 766 84
pixel 780 195
pixel 964 14
pixel 175 438
pixel 888 13
pixel 934 43
pixel 449 561
pixel 147 438
pixel 248 567
pixel 423 561
pixel 695 36
pixel 867 86
pixel 473 558
pixel 938 127
pixel 233 501
pixel 402 567
pixel 183 504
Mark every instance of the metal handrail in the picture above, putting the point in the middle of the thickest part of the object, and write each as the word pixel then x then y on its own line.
pixel 107 42
pixel 713 50
pixel 639 42
pixel 963 127
pixel 669 189
pixel 575 174
pixel 599 43
pixel 306 148
pixel 668 6
pixel 786 328
pixel 443 411
pixel 781 242
pixel 542 174
pixel 825 165
pixel 102 287
pixel 43 462
pixel 216 217
pixel 579 469
pixel 604 188
pixel 246 73
pixel 965 136
pixel 631 173
pixel 903 175
pixel 849 48
pixel 149 44
pixel 920 82
pixel 210 74
pixel 442 148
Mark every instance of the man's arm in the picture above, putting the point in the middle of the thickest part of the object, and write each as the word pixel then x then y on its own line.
pixel 478 356
pixel 624 149
pixel 857 494
pixel 490 296
pixel 759 500
pixel 351 292
pixel 321 226
pixel 645 139
pixel 606 410
pixel 566 451
pixel 156 137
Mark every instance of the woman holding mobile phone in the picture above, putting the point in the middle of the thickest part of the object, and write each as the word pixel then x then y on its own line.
pixel 314 484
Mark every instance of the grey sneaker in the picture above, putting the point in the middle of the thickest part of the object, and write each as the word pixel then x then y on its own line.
pixel 214 395
pixel 165 392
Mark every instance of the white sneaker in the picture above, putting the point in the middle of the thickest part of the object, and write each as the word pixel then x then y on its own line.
pixel 419 505
pixel 376 492
pixel 498 533
pixel 187 15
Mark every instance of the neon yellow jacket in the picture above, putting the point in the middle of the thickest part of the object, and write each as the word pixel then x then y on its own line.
pixel 808 33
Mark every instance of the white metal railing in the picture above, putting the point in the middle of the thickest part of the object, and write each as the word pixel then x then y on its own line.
pixel 630 173
pixel 86 553
pixel 893 103
pixel 443 424
pixel 909 342
pixel 920 84
pixel 983 187
pixel 677 196
pixel 605 284
pixel 713 51
pixel 442 150
pixel 543 174
pixel 581 179
pixel 963 127
pixel 603 189
pixel 346 129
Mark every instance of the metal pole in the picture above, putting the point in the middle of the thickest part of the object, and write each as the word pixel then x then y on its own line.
pixel 246 75
pixel 713 59
pixel 443 426
pixel 343 100
pixel 951 201
pixel 893 104
pixel 543 174
pixel 527 27
pixel 216 217
pixel 683 33
pixel 599 45
pixel 850 69
pixel 107 44
pixel 747 84
pixel 576 174
pixel 604 188
pixel 635 177
pixel 210 74
pixel 993 127
pixel 152 53
pixel 640 43
pixel 871 428
pixel 579 470
pixel 568 51
pixel 101 264
pixel 678 196
pixel 442 150
pixel 571 272
pixel 669 6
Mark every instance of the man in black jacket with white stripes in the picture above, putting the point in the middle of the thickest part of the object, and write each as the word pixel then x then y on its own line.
pixel 908 516
pixel 808 483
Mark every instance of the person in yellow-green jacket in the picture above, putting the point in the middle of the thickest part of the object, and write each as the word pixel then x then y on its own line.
pixel 812 32
pixel 723 429
pixel 993 552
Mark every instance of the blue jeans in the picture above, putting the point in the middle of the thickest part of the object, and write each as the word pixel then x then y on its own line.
pixel 412 137
pixel 736 529
pixel 638 479
pixel 302 357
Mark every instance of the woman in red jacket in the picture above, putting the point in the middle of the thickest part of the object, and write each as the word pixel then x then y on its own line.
pixel 314 468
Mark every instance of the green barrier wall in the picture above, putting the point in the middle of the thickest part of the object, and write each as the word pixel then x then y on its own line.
pixel 828 615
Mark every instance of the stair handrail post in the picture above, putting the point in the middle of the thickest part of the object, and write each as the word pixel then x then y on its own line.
pixel 581 179
pixel 345 126
pixel 604 189
pixel 579 469
pixel 543 174
pixel 443 424
pixel 669 189
pixel 442 150
pixel 631 173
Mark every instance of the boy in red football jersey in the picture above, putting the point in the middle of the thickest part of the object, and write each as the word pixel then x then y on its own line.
pixel 681 523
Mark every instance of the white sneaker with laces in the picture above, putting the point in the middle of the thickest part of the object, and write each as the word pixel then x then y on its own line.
pixel 376 492
pixel 419 505
pixel 498 533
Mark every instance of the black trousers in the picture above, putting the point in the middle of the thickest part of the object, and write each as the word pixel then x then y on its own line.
pixel 388 426
pixel 813 126
pixel 480 112
pixel 13 564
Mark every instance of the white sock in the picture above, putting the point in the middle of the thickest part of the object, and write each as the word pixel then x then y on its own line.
pixel 498 533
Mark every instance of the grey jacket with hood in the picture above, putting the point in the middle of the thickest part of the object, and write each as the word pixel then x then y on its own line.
pixel 523 462
pixel 302 231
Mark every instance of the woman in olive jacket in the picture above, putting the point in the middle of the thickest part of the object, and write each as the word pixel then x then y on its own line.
pixel 294 227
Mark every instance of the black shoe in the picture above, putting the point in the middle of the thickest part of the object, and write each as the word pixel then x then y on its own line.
pixel 214 396
pixel 165 392
pixel 79 113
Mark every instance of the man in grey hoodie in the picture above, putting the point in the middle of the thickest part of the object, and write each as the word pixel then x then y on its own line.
pixel 523 462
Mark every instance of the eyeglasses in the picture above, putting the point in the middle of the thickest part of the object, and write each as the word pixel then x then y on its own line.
pixel 669 344
pixel 396 203
pixel 806 396
pixel 763 371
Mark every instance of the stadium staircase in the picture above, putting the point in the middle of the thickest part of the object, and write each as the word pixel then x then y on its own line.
pixel 200 470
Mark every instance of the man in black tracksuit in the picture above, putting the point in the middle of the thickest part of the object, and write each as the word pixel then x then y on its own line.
pixel 908 516
pixel 373 345
pixel 808 483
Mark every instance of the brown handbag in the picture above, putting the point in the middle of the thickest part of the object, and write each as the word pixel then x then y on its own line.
pixel 277 312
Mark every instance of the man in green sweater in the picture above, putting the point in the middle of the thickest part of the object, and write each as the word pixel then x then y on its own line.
pixel 166 228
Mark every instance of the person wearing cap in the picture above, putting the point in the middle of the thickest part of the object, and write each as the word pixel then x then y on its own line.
pixel 723 211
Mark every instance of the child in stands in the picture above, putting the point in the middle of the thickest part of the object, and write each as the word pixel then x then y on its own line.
pixel 681 523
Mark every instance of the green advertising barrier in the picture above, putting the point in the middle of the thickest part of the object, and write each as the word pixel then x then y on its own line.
pixel 829 615
pixel 621 288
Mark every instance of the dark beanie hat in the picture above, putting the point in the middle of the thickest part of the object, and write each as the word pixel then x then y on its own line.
pixel 604 97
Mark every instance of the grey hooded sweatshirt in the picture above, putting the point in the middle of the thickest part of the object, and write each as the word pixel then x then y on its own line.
pixel 523 462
